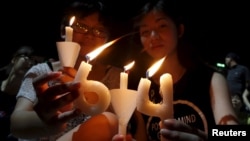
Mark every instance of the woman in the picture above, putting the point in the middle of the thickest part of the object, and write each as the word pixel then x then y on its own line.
pixel 39 113
pixel 201 97
pixel 22 60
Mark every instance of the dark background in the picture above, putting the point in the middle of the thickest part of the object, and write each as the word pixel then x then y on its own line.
pixel 219 27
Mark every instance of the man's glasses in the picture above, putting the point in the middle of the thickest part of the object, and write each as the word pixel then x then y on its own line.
pixel 84 29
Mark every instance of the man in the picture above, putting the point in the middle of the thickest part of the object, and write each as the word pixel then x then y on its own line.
pixel 238 75
pixel 238 78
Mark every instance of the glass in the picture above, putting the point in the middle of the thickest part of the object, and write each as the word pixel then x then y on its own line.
pixel 84 29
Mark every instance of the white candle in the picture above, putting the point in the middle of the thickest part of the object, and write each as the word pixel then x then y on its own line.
pixel 93 89
pixel 68 34
pixel 163 110
pixel 83 72
pixel 124 76
pixel 123 80
pixel 166 89
pixel 143 103
pixel 69 31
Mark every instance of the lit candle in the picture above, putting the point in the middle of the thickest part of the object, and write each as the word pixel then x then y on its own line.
pixel 123 100
pixel 69 30
pixel 92 89
pixel 163 110
pixel 124 76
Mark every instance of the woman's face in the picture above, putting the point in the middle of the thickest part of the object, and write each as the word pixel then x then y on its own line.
pixel 22 63
pixel 158 34
pixel 89 33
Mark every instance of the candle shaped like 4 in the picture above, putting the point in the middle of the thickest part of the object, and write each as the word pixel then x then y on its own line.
pixel 163 110
pixel 69 30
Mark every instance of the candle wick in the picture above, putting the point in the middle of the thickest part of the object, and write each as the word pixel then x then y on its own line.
pixel 87 58
pixel 126 71
pixel 147 74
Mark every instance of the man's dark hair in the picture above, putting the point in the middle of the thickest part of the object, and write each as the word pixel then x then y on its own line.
pixel 234 56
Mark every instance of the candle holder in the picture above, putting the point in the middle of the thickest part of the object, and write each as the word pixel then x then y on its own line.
pixel 68 53
pixel 124 104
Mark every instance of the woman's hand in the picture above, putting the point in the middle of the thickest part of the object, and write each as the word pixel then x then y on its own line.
pixel 68 74
pixel 174 130
pixel 118 137
pixel 54 104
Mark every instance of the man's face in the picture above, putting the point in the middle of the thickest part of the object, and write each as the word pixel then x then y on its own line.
pixel 228 61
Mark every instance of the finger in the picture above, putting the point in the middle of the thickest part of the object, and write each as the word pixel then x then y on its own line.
pixel 66 116
pixel 119 137
pixel 61 118
pixel 39 81
pixel 179 126
pixel 179 136
pixel 50 109
pixel 63 101
pixel 71 72
pixel 61 89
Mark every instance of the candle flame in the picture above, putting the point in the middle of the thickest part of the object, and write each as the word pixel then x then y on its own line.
pixel 72 19
pixel 151 71
pixel 129 66
pixel 90 56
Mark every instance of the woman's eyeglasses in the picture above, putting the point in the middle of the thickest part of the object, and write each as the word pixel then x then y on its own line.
pixel 84 29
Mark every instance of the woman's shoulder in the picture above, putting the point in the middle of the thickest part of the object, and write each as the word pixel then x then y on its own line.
pixel 39 69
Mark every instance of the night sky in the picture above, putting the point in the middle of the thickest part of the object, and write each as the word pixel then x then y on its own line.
pixel 220 27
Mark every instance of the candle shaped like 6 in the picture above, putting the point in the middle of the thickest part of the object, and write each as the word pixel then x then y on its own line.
pixel 95 96
pixel 163 110
pixel 69 30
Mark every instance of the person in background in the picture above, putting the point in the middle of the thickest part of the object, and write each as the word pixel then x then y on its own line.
pixel 23 59
pixel 240 109
pixel 200 94
pixel 238 78
pixel 39 113
pixel 246 101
